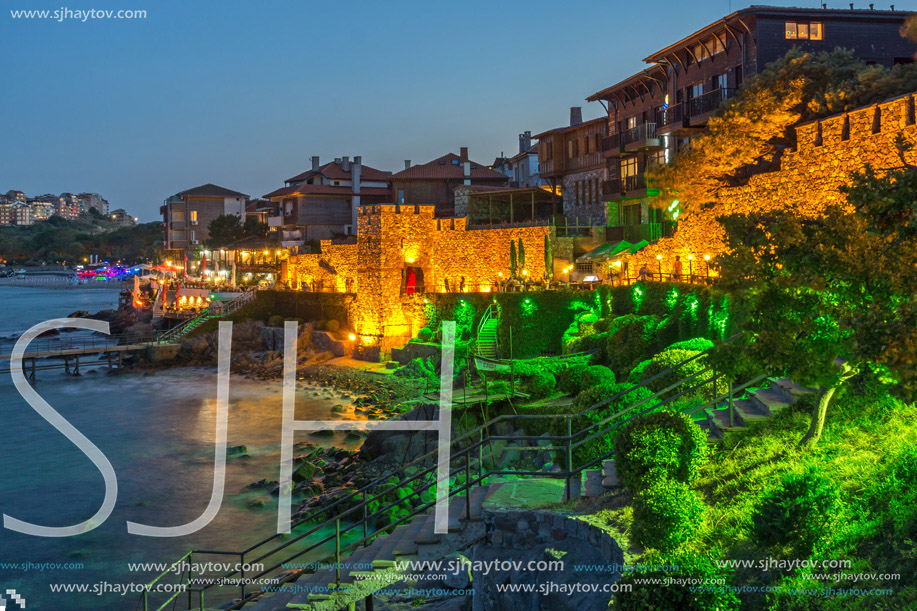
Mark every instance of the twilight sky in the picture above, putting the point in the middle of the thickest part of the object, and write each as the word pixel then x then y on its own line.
pixel 242 94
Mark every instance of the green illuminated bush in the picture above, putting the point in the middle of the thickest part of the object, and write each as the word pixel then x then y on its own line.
pixel 569 378
pixel 275 321
pixel 645 595
pixel 697 343
pixel 597 375
pixel 660 445
pixel 667 515
pixel 630 339
pixel 425 334
pixel 797 512
pixel 670 358
pixel 636 374
pixel 541 384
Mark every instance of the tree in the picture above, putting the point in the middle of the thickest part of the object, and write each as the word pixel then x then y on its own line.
pixel 253 227
pixel 828 297
pixel 521 254
pixel 224 229
pixel 548 259
pixel 512 259
pixel 750 131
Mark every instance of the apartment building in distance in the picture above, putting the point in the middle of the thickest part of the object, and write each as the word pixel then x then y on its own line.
pixel 653 114
pixel 321 203
pixel 186 214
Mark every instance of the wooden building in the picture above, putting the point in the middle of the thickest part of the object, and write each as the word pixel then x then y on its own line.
pixel 653 114
pixel 321 203
pixel 434 183
pixel 186 215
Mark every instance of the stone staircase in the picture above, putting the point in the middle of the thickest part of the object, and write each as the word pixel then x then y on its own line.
pixel 756 405
pixel 179 331
pixel 413 541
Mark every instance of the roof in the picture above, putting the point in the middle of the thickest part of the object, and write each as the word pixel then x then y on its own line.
pixel 631 80
pixel 760 9
pixel 252 241
pixel 449 166
pixel 334 171
pixel 532 150
pixel 306 189
pixel 567 128
pixel 210 190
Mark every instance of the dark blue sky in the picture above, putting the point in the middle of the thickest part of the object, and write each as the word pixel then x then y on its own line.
pixel 243 93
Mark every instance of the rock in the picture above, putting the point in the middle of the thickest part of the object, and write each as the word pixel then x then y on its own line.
pixel 255 503
pixel 322 433
pixel 306 471
pixel 326 342
pixel 352 438
pixel 236 450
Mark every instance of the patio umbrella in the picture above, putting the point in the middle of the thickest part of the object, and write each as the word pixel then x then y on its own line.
pixel 232 280
pixel 185 267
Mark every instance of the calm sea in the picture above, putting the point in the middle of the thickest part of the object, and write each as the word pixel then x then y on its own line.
pixel 158 433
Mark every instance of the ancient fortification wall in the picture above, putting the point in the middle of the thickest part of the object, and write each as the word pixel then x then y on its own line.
pixel 809 178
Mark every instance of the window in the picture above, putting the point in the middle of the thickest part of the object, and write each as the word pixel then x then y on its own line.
pixel 193 236
pixel 400 196
pixel 631 122
pixel 804 31
pixel 719 81
pixel 657 158
pixel 192 216
pixel 717 45
pixel 628 167
pixel 697 90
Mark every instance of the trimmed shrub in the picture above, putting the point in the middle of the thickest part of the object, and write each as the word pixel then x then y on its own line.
pixel 797 512
pixel 542 384
pixel 321 325
pixel 425 334
pixel 275 321
pixel 645 593
pixel 569 379
pixel 697 343
pixel 332 326
pixel 630 339
pixel 596 375
pixel 670 358
pixel 636 374
pixel 667 515
pixel 661 445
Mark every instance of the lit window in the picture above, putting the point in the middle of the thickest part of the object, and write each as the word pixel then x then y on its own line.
pixel 193 216
pixel 804 31
pixel 717 45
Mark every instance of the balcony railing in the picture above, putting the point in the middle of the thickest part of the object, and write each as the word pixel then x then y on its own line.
pixel 635 182
pixel 647 131
pixel 611 143
pixel 635 233
pixel 612 188
pixel 584 161
pixel 709 101
pixel 546 168
pixel 670 116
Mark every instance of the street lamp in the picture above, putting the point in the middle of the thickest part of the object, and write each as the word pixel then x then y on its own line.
pixel 707 263
pixel 690 268
pixel 659 260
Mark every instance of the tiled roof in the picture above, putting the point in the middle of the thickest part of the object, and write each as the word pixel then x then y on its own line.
pixel 305 189
pixel 568 128
pixel 210 190
pixel 334 171
pixel 448 166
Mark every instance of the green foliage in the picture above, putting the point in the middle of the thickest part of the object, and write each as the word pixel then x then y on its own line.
pixel 636 374
pixel 667 515
pixel 332 326
pixel 756 125
pixel 597 375
pixel 645 593
pixel 521 252
pixel 420 368
pixel 672 357
pixel 275 321
pixel 698 344
pixel 548 259
pixel 797 512
pixel 541 384
pixel 224 230
pixel 513 260
pixel 425 334
pixel 661 445
pixel 59 240
pixel 630 339
pixel 569 379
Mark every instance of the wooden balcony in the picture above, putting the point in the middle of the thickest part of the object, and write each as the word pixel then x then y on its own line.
pixel 611 146
pixel 613 189
pixel 635 233
pixel 641 138
pixel 701 107
pixel 671 120
pixel 584 161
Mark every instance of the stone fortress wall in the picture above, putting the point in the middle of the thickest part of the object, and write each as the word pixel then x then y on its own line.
pixel 828 151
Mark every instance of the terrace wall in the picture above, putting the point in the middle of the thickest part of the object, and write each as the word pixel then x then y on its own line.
pixel 809 179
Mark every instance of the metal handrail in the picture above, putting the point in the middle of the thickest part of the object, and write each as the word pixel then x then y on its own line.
pixel 590 432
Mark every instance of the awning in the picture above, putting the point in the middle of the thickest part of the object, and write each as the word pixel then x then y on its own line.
pixel 605 251
pixel 635 247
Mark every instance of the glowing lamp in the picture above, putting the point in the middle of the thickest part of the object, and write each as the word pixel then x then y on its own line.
pixel 525 272
pixel 706 257
pixel 690 257
pixel 410 259
pixel 659 257
pixel 352 337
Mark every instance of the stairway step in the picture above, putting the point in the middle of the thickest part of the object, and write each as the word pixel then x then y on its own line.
pixel 720 419
pixel 407 544
pixel 477 505
pixel 771 402
pixel 749 411
pixel 426 535
pixel 788 389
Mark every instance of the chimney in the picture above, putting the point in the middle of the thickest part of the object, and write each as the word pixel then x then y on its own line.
pixel 463 153
pixel 337 160
pixel 315 163
pixel 345 164
pixel 576 115
pixel 356 171
pixel 407 163
pixel 467 171
pixel 525 141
